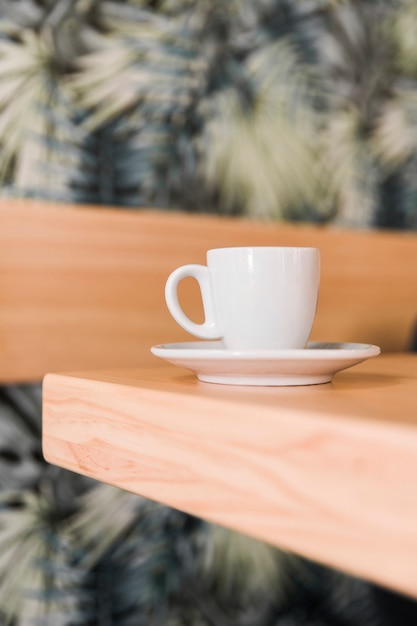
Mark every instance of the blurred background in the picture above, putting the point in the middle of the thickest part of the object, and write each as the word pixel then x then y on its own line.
pixel 295 110
pixel 283 109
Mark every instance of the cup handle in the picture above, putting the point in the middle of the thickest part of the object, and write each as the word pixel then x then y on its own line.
pixel 207 330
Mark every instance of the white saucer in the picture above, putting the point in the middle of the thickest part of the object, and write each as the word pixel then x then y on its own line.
pixel 315 364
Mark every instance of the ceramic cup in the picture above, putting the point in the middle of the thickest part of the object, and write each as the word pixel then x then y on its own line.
pixel 254 298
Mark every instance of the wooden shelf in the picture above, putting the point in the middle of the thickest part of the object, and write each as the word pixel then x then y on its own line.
pixel 82 287
pixel 328 471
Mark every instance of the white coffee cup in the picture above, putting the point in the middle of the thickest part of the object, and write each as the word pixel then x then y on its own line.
pixel 254 298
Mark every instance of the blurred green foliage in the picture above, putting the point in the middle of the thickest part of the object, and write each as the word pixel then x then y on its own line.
pixel 282 109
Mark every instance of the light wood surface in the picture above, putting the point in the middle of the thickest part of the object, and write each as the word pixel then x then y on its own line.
pixel 328 471
pixel 83 287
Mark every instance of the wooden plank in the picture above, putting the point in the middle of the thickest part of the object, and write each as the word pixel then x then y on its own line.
pixel 82 287
pixel 328 471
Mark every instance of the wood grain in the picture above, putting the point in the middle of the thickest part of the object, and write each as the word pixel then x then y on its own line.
pixel 82 287
pixel 329 471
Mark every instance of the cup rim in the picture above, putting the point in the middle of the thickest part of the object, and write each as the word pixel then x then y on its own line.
pixel 276 248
